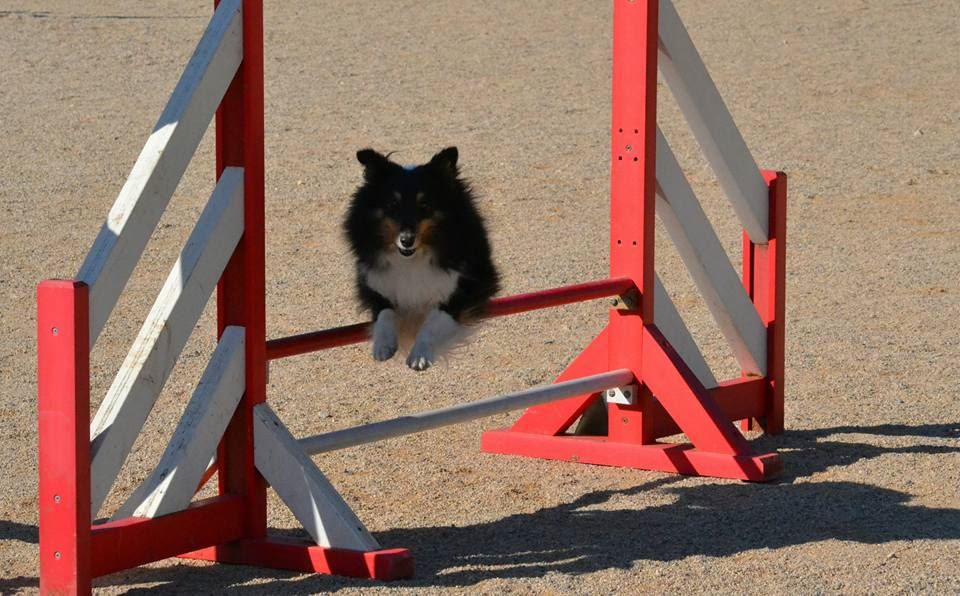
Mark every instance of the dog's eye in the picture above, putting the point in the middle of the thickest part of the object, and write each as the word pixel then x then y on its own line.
pixel 394 199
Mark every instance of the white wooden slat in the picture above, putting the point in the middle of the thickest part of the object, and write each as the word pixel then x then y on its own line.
pixel 702 253
pixel 165 331
pixel 670 323
pixel 306 491
pixel 712 124
pixel 161 163
pixel 173 483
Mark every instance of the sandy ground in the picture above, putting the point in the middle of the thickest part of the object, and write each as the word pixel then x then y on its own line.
pixel 855 99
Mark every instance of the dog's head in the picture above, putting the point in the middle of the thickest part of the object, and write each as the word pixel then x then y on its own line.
pixel 408 201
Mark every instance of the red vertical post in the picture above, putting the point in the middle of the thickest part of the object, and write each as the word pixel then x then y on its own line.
pixel 764 276
pixel 632 187
pixel 63 396
pixel 241 291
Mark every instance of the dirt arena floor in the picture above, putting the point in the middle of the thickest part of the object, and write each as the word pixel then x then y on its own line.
pixel 856 99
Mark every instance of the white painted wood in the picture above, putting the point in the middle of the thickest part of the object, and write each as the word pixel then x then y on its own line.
pixel 415 423
pixel 166 329
pixel 712 125
pixel 173 483
pixel 670 323
pixel 306 491
pixel 161 163
pixel 702 253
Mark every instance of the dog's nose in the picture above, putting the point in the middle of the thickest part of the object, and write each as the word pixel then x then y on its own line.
pixel 407 239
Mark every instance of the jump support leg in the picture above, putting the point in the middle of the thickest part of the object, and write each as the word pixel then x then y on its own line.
pixel 677 403
pixel 543 431
pixel 764 276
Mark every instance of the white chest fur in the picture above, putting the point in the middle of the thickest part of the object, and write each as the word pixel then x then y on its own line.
pixel 412 284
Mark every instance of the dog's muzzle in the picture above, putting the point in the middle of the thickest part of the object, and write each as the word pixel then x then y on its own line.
pixel 407 243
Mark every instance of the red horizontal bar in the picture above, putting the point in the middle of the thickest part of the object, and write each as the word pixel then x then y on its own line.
pixel 740 398
pixel 317 340
pixel 662 457
pixel 508 305
pixel 287 553
pixel 136 541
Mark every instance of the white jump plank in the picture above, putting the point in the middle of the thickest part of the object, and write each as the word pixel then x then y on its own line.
pixel 712 125
pixel 702 253
pixel 165 331
pixel 671 324
pixel 415 423
pixel 161 164
pixel 306 491
pixel 194 442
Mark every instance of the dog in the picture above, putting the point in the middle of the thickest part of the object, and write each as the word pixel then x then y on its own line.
pixel 424 267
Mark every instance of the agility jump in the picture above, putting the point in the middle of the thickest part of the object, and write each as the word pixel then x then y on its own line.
pixel 643 372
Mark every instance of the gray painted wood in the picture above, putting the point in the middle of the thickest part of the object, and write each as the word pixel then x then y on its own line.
pixel 670 323
pixel 703 254
pixel 415 423
pixel 161 163
pixel 712 125
pixel 173 483
pixel 303 488
pixel 165 331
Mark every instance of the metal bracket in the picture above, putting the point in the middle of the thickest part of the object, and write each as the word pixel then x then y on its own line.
pixel 628 301
pixel 624 396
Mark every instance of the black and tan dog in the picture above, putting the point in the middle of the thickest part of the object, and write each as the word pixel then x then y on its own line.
pixel 423 260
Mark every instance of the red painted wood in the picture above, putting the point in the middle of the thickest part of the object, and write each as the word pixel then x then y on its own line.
pixel 559 296
pixel 777 284
pixel 633 146
pixel 241 293
pixel 305 343
pixel 508 305
pixel 682 404
pixel 135 541
pixel 284 553
pixel 764 276
pixel 632 199
pixel 747 424
pixel 63 418
pixel 686 400
pixel 629 423
pixel 738 399
pixel 663 457
pixel 554 418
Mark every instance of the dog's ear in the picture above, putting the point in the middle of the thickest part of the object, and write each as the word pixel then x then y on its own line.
pixel 373 163
pixel 446 160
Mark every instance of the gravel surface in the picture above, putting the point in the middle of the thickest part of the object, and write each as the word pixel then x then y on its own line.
pixel 856 100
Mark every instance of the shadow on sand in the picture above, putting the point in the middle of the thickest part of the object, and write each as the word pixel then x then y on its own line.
pixel 718 519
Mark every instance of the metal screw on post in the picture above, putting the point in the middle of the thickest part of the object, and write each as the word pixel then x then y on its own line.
pixel 56 498
pixel 55 331
pixel 56 555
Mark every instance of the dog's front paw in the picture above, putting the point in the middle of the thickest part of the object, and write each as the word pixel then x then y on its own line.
pixel 384 336
pixel 420 358
pixel 384 348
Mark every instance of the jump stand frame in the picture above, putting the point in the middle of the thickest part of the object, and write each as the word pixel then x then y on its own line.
pixel 643 371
